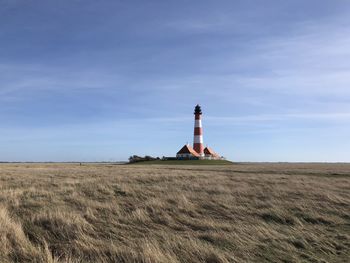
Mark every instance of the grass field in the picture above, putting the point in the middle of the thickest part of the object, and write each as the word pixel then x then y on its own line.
pixel 159 213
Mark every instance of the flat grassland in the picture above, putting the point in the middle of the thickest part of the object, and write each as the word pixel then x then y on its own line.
pixel 146 213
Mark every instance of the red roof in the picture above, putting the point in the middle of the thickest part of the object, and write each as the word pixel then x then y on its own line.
pixel 188 149
pixel 209 151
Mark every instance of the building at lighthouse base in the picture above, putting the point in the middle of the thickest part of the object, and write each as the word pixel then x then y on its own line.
pixel 209 154
pixel 188 153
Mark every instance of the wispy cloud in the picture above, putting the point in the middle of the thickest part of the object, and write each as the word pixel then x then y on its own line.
pixel 219 22
pixel 340 117
pixel 314 60
pixel 336 117
pixel 17 78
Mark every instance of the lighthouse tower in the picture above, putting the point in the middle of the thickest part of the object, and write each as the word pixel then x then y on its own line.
pixel 198 132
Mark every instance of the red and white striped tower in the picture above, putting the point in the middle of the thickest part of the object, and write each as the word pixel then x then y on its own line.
pixel 198 132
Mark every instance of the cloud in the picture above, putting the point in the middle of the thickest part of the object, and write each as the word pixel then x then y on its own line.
pixel 313 60
pixel 20 78
pixel 258 118
pixel 338 117
pixel 206 24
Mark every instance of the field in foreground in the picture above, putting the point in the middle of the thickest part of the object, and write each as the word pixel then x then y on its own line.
pixel 136 213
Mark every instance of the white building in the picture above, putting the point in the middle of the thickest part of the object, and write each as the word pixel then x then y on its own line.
pixel 187 152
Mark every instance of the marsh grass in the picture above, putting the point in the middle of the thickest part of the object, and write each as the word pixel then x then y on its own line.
pixel 126 213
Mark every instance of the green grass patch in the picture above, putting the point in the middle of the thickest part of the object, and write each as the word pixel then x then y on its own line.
pixel 186 162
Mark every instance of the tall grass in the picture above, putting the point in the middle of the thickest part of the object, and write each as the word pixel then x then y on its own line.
pixel 123 213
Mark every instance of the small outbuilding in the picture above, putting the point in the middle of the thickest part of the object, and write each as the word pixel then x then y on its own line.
pixel 187 152
pixel 210 154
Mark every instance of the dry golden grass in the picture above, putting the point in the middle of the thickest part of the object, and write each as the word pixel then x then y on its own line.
pixel 126 213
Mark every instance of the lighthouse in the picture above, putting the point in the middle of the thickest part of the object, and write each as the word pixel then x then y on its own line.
pixel 198 131
pixel 198 151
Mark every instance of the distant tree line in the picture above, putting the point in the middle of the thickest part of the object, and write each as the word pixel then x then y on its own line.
pixel 136 158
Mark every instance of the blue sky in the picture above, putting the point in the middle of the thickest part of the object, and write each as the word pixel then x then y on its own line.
pixel 101 80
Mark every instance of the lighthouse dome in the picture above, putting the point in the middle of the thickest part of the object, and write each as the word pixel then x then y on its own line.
pixel 197 109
